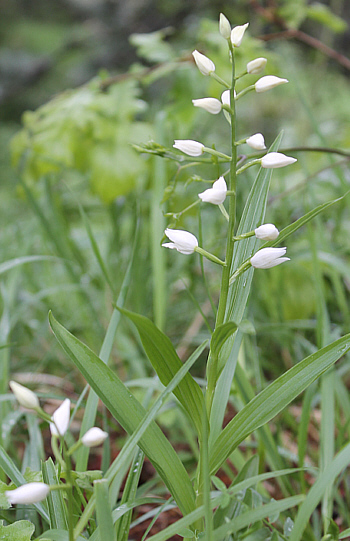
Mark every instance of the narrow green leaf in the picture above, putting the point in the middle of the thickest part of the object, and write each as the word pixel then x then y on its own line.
pixel 58 535
pixel 199 512
pixel 274 398
pixel 57 510
pixel 92 401
pixel 254 515
pixel 103 511
pixel 129 413
pixel 324 480
pixel 129 494
pixel 167 363
pixel 12 263
pixel 287 231
pixel 220 335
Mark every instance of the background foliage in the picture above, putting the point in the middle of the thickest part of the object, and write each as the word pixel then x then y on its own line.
pixel 80 83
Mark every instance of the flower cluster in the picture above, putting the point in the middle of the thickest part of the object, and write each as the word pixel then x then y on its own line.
pixel 185 242
pixel 59 423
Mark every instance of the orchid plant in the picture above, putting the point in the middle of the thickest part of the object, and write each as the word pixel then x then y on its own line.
pixel 210 509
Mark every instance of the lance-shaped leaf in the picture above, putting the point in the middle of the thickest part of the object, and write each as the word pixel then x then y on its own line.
pixel 167 363
pixel 274 398
pixel 129 413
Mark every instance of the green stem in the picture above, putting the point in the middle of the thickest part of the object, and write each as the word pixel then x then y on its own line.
pixel 232 208
pixel 218 79
pixel 70 498
pixel 217 153
pixel 245 91
pixel 249 164
pixel 245 266
pixel 209 256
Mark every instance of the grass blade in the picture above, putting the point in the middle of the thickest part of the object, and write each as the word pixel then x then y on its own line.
pixel 325 479
pixel 129 413
pixel 103 511
pixel 166 363
pixel 57 510
pixel 274 398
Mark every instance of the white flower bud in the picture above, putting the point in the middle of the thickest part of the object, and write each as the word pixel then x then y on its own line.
pixel 268 257
pixel 256 141
pixel 192 148
pixel 256 66
pixel 237 34
pixel 212 105
pixel 60 419
pixel 269 81
pixel 94 437
pixel 29 493
pixel 204 64
pixel 224 26
pixel 182 241
pixel 266 232
pixel 25 396
pixel 273 160
pixel 215 195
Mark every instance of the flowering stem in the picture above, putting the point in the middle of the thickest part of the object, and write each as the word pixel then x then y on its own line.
pixel 209 256
pixel 224 212
pixel 245 91
pixel 219 80
pixel 249 164
pixel 216 153
pixel 245 235
pixel 245 266
pixel 232 206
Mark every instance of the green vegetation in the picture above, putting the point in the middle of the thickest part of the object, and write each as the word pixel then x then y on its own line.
pixel 223 388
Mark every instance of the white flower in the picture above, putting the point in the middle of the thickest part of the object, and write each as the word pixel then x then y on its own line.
pixel 266 232
pixel 273 160
pixel 237 34
pixel 215 195
pixel 256 66
pixel 182 241
pixel 268 257
pixel 192 148
pixel 29 493
pixel 256 141
pixel 25 396
pixel 224 26
pixel 60 419
pixel 212 105
pixel 204 64
pixel 93 437
pixel 269 81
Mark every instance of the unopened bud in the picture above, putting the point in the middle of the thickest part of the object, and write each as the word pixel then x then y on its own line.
pixel 256 66
pixel 29 493
pixel 237 34
pixel 212 105
pixel 266 232
pixel 268 82
pixel 204 64
pixel 224 26
pixel 25 396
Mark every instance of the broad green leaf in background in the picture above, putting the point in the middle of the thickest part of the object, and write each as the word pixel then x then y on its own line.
pixel 274 398
pixel 129 413
pixel 166 363
pixel 323 15
pixel 22 530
